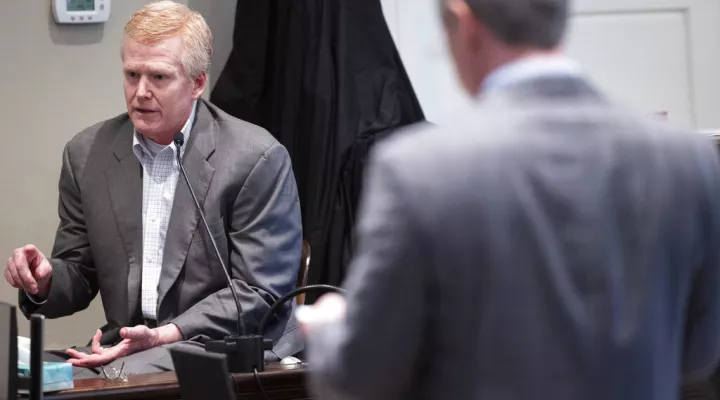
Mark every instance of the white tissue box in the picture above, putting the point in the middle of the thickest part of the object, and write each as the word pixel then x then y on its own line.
pixel 56 375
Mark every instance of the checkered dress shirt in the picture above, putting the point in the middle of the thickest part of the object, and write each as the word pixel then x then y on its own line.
pixel 160 177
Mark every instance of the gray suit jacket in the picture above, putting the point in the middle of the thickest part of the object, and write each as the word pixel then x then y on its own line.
pixel 545 245
pixel 244 182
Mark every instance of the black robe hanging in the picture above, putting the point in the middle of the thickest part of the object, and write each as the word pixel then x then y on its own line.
pixel 324 77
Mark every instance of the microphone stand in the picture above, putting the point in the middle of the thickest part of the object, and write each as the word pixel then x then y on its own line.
pixel 245 353
pixel 292 295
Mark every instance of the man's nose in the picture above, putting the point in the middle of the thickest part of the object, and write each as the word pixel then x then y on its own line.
pixel 143 90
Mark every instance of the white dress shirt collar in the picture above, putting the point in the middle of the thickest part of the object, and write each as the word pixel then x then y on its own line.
pixel 529 68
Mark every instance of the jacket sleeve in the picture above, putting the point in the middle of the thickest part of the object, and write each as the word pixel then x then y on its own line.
pixel 74 284
pixel 265 243
pixel 702 333
pixel 387 283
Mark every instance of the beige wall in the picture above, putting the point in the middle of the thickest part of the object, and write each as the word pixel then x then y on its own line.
pixel 54 81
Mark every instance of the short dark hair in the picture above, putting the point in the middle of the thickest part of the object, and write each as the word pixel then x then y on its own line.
pixel 532 23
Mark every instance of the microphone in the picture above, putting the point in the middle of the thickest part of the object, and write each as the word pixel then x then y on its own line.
pixel 322 288
pixel 244 352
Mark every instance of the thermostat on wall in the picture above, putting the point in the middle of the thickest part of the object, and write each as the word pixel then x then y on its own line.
pixel 81 11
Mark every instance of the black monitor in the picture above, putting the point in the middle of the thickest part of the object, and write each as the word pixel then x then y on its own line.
pixel 8 352
pixel 202 375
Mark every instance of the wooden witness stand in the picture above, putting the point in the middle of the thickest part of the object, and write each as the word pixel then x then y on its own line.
pixel 279 381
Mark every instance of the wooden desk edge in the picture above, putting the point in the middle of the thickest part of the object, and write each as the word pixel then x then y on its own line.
pixel 165 385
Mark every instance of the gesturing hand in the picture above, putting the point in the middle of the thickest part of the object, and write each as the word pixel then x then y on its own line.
pixel 134 340
pixel 29 270
pixel 328 308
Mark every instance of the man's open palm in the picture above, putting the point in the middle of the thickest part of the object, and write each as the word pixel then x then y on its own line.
pixel 135 340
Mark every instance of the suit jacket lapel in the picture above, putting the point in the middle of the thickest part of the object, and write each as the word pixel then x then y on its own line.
pixel 184 217
pixel 125 183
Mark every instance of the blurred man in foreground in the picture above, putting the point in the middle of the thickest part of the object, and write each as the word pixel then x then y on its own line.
pixel 546 244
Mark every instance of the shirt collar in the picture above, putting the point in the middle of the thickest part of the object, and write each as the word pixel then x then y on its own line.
pixel 139 147
pixel 529 68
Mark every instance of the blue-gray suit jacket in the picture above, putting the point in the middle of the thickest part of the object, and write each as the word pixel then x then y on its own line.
pixel 547 244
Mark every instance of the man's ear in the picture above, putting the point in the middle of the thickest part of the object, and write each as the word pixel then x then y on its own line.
pixel 200 82
pixel 448 16
pixel 469 27
pixel 457 10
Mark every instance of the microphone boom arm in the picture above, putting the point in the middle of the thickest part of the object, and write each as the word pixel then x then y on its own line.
pixel 241 327
pixel 244 353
